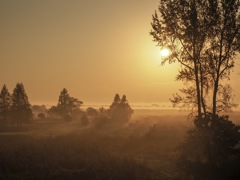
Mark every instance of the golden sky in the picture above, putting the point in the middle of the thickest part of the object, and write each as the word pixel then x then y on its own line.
pixel 94 48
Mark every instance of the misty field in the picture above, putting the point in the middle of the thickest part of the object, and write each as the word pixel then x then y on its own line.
pixel 144 148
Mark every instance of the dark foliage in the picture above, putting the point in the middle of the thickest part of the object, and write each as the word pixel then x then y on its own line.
pixel 119 113
pixel 120 110
pixel 5 103
pixel 211 150
pixel 20 107
pixel 41 116
pixel 84 120
pixel 91 111
pixel 67 157
pixel 67 106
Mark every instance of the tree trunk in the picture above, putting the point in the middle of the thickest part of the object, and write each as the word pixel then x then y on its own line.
pixel 215 91
pixel 202 91
pixel 198 95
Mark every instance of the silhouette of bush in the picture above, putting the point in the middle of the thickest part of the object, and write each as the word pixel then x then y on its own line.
pixel 102 119
pixel 54 111
pixel 211 149
pixel 41 116
pixel 84 120
pixel 91 111
pixel 68 117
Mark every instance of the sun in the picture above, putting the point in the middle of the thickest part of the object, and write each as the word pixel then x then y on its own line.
pixel 165 52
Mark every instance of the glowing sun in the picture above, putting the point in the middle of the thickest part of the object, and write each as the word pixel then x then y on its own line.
pixel 165 52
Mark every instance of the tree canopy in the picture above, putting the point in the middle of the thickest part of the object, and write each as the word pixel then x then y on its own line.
pixel 204 37
pixel 120 110
pixel 66 105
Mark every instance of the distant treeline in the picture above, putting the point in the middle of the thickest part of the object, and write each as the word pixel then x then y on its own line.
pixel 16 109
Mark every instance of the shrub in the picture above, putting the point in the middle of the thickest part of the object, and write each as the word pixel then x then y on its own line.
pixel 211 148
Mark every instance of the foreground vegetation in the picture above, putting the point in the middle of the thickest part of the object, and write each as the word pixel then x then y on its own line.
pixel 138 150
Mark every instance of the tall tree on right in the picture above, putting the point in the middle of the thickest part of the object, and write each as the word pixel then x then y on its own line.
pixel 222 45
pixel 204 37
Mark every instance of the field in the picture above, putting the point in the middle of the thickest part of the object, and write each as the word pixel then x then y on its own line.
pixel 144 148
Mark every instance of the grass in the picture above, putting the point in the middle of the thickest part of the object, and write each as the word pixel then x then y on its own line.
pixel 140 150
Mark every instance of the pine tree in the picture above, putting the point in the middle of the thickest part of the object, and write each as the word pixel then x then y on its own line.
pixel 63 102
pixel 116 101
pixel 5 102
pixel 20 108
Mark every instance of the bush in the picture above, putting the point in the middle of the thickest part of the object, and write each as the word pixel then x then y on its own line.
pixel 211 148
pixel 91 111
pixel 41 116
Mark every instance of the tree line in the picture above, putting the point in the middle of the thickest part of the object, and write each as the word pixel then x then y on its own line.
pixel 16 109
pixel 68 107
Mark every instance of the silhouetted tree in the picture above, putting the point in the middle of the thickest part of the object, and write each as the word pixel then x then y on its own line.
pixel 63 102
pixel 116 101
pixel 20 108
pixel 5 103
pixel 41 116
pixel 54 111
pixel 91 111
pixel 204 38
pixel 212 148
pixel 120 110
pixel 66 105
pixel 84 120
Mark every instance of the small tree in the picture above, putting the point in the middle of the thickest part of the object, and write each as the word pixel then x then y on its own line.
pixel 41 116
pixel 5 103
pixel 211 148
pixel 84 120
pixel 54 111
pixel 66 105
pixel 120 110
pixel 63 102
pixel 20 109
pixel 91 111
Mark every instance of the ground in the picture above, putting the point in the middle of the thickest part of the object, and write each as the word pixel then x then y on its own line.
pixel 144 148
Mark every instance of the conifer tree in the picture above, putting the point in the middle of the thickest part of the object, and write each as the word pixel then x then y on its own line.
pixel 63 102
pixel 5 102
pixel 20 109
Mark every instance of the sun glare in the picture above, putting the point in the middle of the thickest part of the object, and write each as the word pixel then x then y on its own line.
pixel 165 52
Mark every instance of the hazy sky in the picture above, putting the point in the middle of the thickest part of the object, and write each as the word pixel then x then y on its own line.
pixel 94 48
